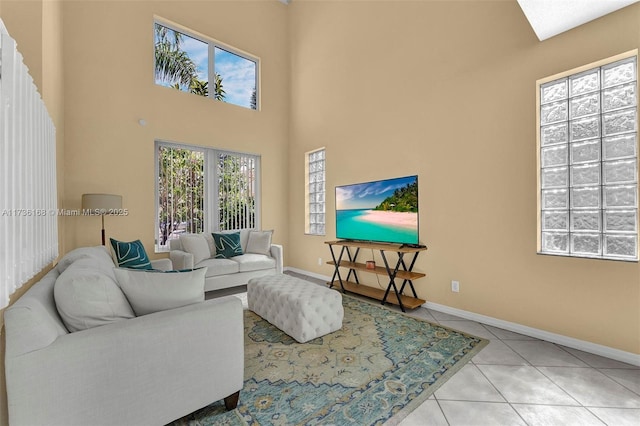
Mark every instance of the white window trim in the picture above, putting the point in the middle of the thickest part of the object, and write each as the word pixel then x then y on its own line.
pixel 212 43
pixel 211 187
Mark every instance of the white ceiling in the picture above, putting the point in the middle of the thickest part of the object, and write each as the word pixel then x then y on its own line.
pixel 551 17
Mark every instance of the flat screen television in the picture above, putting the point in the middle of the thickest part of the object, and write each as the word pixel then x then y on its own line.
pixel 381 211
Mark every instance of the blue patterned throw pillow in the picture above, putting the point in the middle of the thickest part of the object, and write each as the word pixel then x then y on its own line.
pixel 227 245
pixel 130 254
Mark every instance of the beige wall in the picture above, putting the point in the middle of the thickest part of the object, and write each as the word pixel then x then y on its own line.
pixel 106 52
pixel 36 26
pixel 24 21
pixel 446 90
pixel 109 86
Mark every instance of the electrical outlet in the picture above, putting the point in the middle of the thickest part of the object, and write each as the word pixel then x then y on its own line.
pixel 319 261
pixel 455 286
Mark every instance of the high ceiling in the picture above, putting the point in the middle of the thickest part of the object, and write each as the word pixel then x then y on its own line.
pixel 552 17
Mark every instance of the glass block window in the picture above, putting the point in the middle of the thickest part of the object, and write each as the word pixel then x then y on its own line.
pixel 315 180
pixel 588 161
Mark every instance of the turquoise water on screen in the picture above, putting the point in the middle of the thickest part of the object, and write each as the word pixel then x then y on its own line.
pixel 351 226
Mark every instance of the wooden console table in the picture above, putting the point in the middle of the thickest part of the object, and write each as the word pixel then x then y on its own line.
pixel 400 271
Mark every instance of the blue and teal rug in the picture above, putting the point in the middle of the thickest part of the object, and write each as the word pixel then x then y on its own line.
pixel 379 367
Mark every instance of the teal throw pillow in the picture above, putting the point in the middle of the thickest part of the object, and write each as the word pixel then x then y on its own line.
pixel 130 254
pixel 227 245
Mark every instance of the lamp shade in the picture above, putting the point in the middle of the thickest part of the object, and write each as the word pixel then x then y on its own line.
pixel 101 202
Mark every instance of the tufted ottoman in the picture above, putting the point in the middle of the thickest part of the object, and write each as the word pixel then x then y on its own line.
pixel 301 309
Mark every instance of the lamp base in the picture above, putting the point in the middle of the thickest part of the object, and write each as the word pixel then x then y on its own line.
pixel 103 239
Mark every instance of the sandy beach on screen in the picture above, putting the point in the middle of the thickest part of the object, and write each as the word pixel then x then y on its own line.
pixel 402 219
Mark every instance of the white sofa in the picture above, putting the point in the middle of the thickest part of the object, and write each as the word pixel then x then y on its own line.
pixel 225 273
pixel 149 369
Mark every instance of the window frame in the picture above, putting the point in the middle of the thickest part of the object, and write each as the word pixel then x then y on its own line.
pixel 307 173
pixel 602 232
pixel 212 43
pixel 211 215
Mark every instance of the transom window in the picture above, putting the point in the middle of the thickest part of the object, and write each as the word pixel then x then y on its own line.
pixel 192 63
pixel 588 161
pixel 204 190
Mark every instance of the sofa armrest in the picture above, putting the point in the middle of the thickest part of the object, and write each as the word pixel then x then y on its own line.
pixel 181 259
pixel 162 264
pixel 277 254
pixel 28 329
pixel 186 358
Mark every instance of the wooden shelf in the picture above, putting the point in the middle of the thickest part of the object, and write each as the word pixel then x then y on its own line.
pixel 402 272
pixel 398 248
pixel 379 270
pixel 378 294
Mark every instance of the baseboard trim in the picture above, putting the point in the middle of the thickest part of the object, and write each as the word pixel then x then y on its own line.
pixel 582 345
pixel 311 274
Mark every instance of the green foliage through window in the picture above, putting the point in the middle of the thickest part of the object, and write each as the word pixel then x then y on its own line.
pixel 236 193
pixel 182 62
pixel 186 204
pixel 180 192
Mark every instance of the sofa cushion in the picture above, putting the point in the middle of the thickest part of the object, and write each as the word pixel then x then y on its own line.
pixel 197 245
pixel 259 242
pixel 100 254
pixel 130 254
pixel 217 267
pixel 227 244
pixel 244 238
pixel 212 245
pixel 88 297
pixel 254 262
pixel 153 291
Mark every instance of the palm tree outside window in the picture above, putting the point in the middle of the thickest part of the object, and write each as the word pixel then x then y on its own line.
pixel 203 67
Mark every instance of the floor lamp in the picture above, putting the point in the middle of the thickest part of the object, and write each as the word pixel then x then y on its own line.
pixel 101 204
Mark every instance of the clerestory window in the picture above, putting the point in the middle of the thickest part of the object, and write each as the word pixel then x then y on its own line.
pixel 190 62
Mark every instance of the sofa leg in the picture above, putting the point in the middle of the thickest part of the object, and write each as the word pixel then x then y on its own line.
pixel 231 402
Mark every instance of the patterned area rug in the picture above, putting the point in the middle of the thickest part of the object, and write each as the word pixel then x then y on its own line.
pixel 379 367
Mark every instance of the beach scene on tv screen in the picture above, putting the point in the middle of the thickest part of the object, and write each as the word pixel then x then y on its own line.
pixel 385 210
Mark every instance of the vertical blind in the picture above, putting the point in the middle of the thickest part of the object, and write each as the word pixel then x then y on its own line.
pixel 200 189
pixel 28 194
pixel 237 183
pixel 180 192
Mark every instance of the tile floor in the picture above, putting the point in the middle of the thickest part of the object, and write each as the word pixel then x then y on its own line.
pixel 519 380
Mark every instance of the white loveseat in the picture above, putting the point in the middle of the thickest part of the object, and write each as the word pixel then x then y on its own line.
pixel 133 370
pixel 188 252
